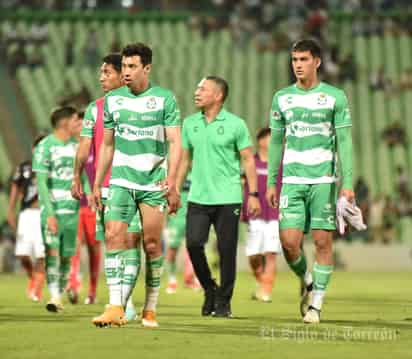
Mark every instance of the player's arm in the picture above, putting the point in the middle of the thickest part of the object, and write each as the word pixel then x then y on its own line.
pixel 343 127
pixel 183 169
pixel 249 166
pixel 83 150
pixel 277 126
pixel 15 194
pixel 173 136
pixel 106 153
pixel 41 165
pixel 81 157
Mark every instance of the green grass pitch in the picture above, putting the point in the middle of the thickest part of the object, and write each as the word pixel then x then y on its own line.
pixel 366 315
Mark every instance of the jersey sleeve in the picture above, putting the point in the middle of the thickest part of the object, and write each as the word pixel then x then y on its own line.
pixel 172 113
pixel 108 118
pixel 276 119
pixel 41 158
pixel 185 139
pixel 243 137
pixel 342 117
pixel 89 121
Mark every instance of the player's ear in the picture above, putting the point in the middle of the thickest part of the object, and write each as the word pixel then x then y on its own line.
pixel 318 61
pixel 148 68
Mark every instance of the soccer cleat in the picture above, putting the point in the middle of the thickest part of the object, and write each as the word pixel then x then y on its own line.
pixel 90 300
pixel 149 319
pixel 261 297
pixel 73 296
pixel 31 288
pixel 130 313
pixel 312 316
pixel 208 306
pixel 222 310
pixel 54 305
pixel 171 287
pixel 305 297
pixel 112 315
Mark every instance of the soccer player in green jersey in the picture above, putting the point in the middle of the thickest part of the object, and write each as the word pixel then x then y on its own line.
pixel 90 141
pixel 311 126
pixel 142 142
pixel 53 163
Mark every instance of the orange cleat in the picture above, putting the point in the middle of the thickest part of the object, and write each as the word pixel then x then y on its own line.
pixel 149 319
pixel 112 315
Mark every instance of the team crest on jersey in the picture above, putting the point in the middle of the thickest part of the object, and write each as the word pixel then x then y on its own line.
pixel 151 103
pixel 276 115
pixel 321 100
pixel 88 124
pixel 221 130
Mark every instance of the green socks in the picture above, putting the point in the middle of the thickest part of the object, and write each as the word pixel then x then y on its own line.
pixel 153 273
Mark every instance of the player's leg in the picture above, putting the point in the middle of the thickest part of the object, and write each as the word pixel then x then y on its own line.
pixel 226 223
pixel 52 245
pixel 134 241
pixel 74 285
pixel 271 247
pixel 152 209
pixel 39 253
pixel 175 235
pixel 254 252
pixel 23 250
pixel 198 223
pixel 323 209
pixel 293 214
pixel 120 260
pixel 68 226
pixel 94 251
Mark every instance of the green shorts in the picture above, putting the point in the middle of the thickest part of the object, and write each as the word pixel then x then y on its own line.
pixel 65 241
pixel 308 206
pixel 134 227
pixel 176 225
pixel 122 203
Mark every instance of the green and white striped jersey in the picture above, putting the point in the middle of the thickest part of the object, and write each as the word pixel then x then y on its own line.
pixel 310 118
pixel 139 123
pixel 56 158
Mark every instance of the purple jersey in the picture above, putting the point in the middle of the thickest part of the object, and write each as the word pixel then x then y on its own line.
pixel 90 172
pixel 267 213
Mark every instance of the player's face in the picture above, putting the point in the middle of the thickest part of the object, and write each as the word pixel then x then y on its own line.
pixel 133 71
pixel 304 65
pixel 110 79
pixel 75 125
pixel 264 143
pixel 207 94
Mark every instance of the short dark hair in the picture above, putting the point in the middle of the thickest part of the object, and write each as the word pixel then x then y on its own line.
pixel 139 49
pixel 262 133
pixel 81 113
pixel 38 138
pixel 308 45
pixel 222 84
pixel 60 114
pixel 114 59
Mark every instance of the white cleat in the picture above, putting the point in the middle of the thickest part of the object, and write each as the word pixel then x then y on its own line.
pixel 312 316
pixel 306 294
pixel 149 319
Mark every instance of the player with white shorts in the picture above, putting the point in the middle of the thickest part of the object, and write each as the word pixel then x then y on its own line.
pixel 263 243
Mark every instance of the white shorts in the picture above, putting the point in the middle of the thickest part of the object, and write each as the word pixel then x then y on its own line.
pixel 263 237
pixel 29 241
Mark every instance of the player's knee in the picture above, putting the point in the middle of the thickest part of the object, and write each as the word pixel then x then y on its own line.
pixel 290 246
pixel 323 244
pixel 152 246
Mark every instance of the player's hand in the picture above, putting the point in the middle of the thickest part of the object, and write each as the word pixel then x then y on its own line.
pixel 52 225
pixel 253 206
pixel 97 198
pixel 90 201
pixel 77 188
pixel 348 194
pixel 272 197
pixel 12 221
pixel 173 200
